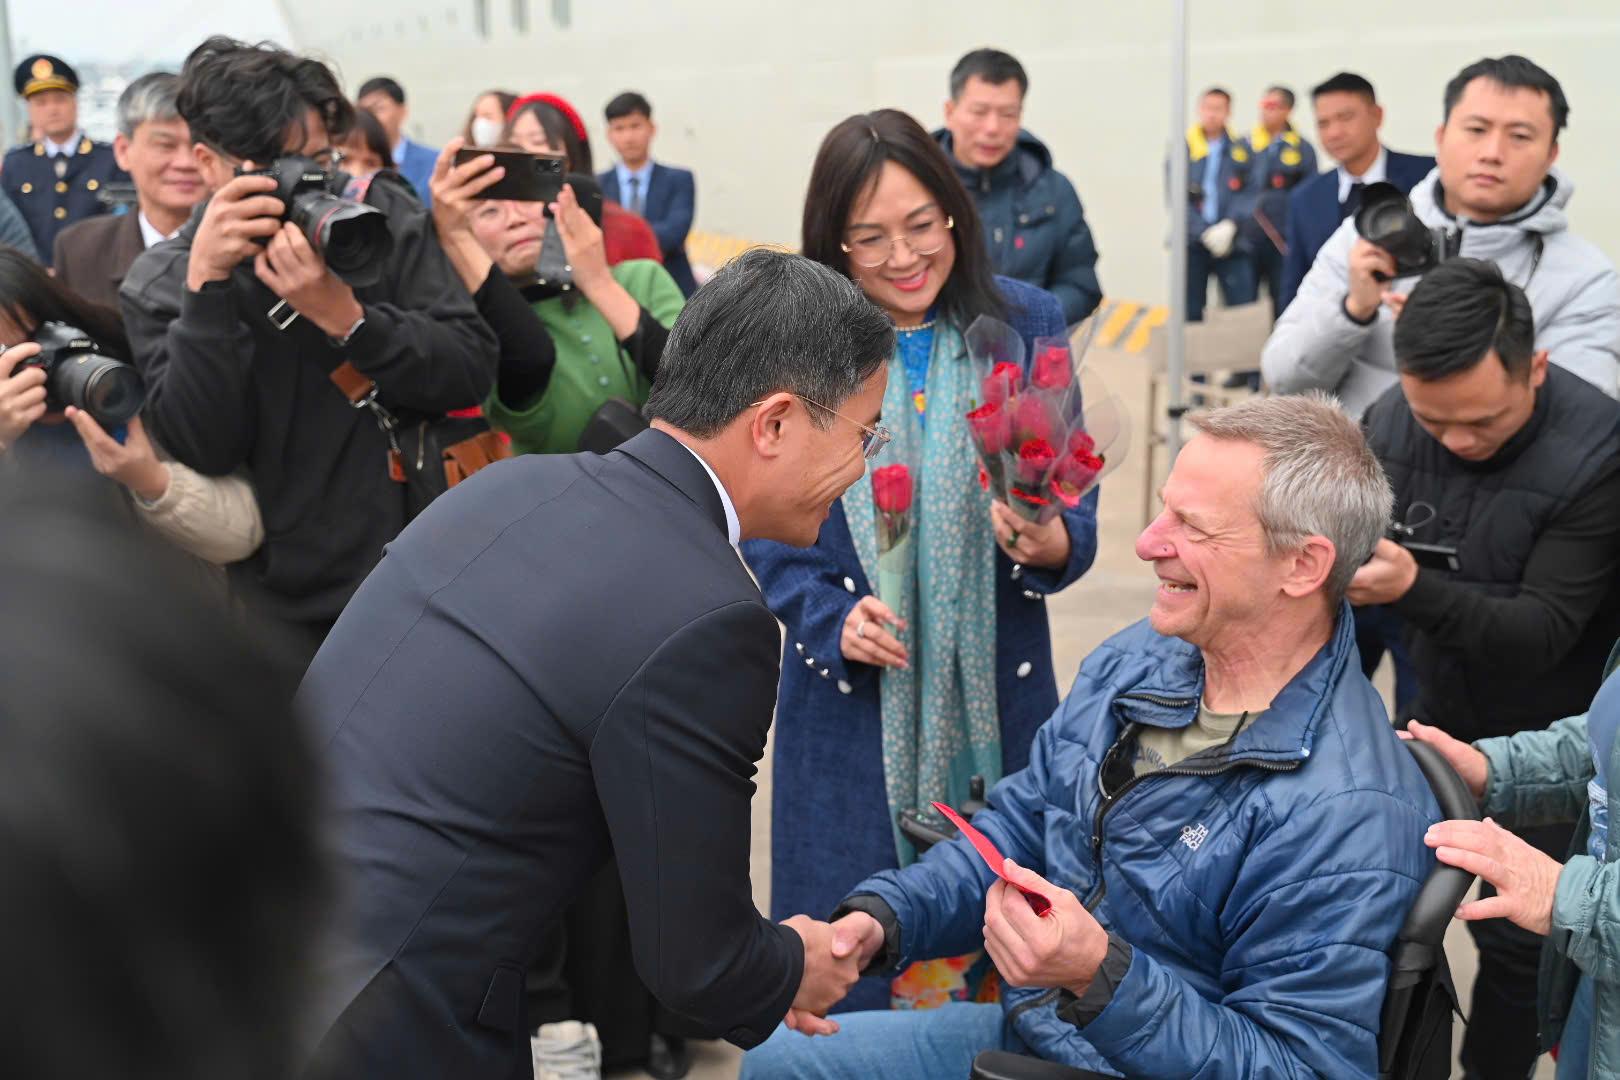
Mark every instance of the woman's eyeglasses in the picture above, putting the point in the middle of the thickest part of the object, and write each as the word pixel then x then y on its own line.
pixel 873 439
pixel 871 249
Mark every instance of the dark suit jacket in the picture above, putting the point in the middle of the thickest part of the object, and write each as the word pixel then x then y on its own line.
pixel 92 256
pixel 1313 215
pixel 562 659
pixel 670 201
pixel 50 203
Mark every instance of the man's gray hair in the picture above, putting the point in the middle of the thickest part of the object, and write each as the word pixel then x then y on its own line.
pixel 150 97
pixel 1320 478
pixel 767 321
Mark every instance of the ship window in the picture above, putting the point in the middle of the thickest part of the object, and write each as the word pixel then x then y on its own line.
pixel 562 13
pixel 481 17
pixel 520 16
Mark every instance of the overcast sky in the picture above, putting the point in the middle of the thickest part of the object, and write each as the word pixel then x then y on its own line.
pixel 149 31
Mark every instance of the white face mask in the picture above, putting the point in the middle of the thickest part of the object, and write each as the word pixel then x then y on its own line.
pixel 486 132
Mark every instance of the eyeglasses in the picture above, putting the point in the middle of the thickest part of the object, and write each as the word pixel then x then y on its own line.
pixel 330 158
pixel 925 237
pixel 873 439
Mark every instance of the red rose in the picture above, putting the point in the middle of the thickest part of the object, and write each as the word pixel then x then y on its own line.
pixel 891 489
pixel 1080 442
pixel 1052 370
pixel 1035 417
pixel 984 479
pixel 1003 382
pixel 1035 458
pixel 991 428
pixel 1075 474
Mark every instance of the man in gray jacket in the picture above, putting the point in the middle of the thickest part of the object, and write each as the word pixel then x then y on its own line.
pixel 1497 195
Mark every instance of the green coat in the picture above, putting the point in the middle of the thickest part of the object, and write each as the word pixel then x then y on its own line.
pixel 1540 778
pixel 591 368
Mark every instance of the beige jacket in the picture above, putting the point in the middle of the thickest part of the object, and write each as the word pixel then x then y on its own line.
pixel 214 517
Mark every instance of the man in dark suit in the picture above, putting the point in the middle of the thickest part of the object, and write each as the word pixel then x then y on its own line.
pixel 154 146
pixel 1347 120
pixel 663 194
pixel 60 178
pixel 564 660
pixel 384 98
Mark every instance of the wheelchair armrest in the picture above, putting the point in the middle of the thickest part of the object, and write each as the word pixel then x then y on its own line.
pixel 1444 888
pixel 1000 1065
pixel 924 828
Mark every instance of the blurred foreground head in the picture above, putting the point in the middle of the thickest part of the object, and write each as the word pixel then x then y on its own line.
pixel 157 809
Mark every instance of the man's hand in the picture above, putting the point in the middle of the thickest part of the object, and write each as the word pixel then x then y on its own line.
pixel 1469 763
pixel 1063 948
pixel 239 216
pixel 1387 576
pixel 1525 879
pixel 865 639
pixel 133 463
pixel 1045 547
pixel 1366 292
pixel 581 239
pixel 22 392
pixel 294 271
pixel 1218 238
pixel 827 977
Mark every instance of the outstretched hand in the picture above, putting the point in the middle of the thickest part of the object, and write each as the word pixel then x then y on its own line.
pixel 832 964
pixel 1525 878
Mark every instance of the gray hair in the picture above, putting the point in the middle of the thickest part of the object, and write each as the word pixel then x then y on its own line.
pixel 768 321
pixel 1319 477
pixel 150 97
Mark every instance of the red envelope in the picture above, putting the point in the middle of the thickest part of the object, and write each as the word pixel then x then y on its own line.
pixel 993 858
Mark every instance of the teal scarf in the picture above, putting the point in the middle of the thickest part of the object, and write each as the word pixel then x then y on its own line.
pixel 940 723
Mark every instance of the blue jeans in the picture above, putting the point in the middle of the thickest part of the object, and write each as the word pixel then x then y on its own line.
pixel 1575 1045
pixel 916 1044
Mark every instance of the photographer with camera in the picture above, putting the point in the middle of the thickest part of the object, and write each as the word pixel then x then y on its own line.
pixel 1506 570
pixel 298 334
pixel 68 402
pixel 1493 195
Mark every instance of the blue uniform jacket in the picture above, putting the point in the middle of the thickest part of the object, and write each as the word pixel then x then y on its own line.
pixel 1277 165
pixel 1259 897
pixel 1034 224
pixel 831 818
pixel 49 203
pixel 1233 178
pixel 1313 214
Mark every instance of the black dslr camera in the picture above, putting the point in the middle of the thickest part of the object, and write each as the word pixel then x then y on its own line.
pixel 1385 219
pixel 77 374
pixel 352 237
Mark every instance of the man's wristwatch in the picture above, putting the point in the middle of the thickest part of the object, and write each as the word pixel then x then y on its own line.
pixel 342 342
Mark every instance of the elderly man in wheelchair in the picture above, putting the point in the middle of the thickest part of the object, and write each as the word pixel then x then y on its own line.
pixel 1227 830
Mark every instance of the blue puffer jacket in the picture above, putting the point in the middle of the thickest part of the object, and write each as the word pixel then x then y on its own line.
pixel 1034 225
pixel 1259 885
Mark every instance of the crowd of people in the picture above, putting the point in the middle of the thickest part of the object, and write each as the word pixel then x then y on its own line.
pixel 387 390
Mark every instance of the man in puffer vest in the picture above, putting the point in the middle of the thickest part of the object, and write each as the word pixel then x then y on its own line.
pixel 1226 827
pixel 1506 471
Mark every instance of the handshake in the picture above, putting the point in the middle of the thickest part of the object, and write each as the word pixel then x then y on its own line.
pixel 834 955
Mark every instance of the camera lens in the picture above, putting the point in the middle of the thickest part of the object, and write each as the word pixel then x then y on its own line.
pixel 352 237
pixel 109 390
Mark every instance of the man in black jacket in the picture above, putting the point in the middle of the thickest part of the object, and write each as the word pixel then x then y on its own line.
pixel 1507 575
pixel 253 348
pixel 564 659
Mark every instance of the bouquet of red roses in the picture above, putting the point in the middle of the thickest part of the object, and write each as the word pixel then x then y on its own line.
pixel 892 491
pixel 1046 439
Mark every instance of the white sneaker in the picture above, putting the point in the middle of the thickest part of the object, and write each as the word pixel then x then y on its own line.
pixel 567 1050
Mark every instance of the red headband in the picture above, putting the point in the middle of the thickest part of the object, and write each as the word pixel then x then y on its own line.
pixel 560 104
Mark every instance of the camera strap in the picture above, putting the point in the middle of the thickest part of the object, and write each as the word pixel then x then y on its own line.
pixel 361 390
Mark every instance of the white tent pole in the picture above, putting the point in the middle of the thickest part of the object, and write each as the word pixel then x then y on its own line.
pixel 1176 343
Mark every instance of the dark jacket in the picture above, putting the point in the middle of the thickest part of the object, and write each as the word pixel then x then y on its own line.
pixel 512 698
pixel 225 388
pixel 1257 886
pixel 50 203
pixel 92 256
pixel 1277 165
pixel 667 205
pixel 1034 224
pixel 1517 637
pixel 1314 213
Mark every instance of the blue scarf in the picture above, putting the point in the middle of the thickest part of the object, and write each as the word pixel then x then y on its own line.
pixel 940 722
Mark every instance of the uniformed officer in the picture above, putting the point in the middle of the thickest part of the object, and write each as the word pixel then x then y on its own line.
pixel 56 180
pixel 1280 160
pixel 1217 174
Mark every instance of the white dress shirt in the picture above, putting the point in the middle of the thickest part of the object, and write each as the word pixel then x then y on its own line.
pixel 643 176
pixel 1373 175
pixel 733 526
pixel 149 233
pixel 52 148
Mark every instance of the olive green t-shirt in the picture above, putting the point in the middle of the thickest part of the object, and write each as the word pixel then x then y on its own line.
pixel 1159 748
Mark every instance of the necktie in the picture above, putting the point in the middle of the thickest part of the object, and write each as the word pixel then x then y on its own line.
pixel 1352 200
pixel 59 164
pixel 635 195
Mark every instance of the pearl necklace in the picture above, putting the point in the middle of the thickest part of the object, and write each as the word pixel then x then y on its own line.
pixel 929 325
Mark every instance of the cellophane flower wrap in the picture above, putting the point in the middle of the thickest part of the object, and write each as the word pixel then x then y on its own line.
pixel 1046 432
pixel 893 488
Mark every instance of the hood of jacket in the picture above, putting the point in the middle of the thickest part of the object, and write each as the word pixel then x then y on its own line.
pixel 1023 165
pixel 1545 214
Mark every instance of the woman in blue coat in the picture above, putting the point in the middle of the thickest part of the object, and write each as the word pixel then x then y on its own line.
pixel 877 714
